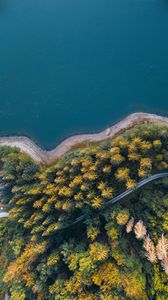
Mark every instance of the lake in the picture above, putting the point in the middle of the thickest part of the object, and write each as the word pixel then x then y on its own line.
pixel 73 66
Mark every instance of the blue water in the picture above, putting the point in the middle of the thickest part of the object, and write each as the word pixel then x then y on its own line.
pixel 70 66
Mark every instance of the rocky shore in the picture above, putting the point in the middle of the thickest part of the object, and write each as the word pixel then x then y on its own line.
pixel 39 155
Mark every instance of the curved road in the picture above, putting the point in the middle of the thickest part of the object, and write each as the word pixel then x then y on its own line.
pixel 127 192
pixel 117 198
pixel 110 202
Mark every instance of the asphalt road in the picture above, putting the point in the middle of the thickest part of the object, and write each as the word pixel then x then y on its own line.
pixel 117 198
pixel 110 202
pixel 127 192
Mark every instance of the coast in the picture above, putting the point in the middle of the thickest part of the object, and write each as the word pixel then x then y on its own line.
pixel 39 155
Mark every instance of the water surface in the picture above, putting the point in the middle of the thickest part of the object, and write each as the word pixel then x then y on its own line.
pixel 70 66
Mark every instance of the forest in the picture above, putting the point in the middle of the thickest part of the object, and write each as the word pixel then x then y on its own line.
pixel 119 252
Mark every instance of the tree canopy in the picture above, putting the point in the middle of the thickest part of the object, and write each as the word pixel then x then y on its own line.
pixel 119 252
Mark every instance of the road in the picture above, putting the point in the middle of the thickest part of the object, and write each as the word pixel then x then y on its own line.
pixel 117 198
pixel 110 202
pixel 127 192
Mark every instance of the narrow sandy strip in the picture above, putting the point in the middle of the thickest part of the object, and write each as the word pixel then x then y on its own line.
pixel 27 146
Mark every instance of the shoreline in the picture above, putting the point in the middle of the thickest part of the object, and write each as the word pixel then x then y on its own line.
pixel 39 155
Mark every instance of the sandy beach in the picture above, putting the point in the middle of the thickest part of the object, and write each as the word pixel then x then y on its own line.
pixel 39 155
